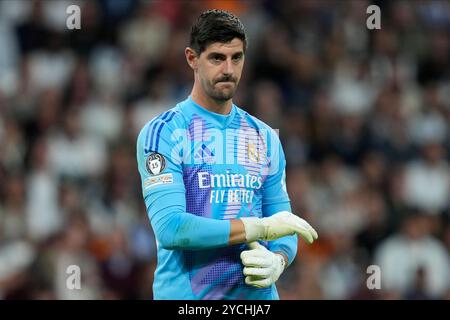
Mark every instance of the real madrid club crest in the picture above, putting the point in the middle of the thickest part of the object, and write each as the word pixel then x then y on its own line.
pixel 155 163
pixel 253 154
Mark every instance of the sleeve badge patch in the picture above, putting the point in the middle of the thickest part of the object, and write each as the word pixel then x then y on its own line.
pixel 166 178
pixel 155 163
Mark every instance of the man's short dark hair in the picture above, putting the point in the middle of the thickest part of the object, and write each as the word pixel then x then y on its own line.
pixel 216 26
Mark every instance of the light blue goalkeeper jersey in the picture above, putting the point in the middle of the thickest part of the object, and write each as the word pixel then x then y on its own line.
pixel 199 170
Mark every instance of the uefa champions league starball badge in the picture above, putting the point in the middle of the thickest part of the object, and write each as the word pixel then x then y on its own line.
pixel 155 163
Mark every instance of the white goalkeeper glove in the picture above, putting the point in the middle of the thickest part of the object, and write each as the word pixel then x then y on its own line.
pixel 280 224
pixel 261 266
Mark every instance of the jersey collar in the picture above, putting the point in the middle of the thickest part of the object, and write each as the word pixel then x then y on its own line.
pixel 218 120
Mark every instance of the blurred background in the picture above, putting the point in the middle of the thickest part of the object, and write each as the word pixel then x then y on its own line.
pixel 364 118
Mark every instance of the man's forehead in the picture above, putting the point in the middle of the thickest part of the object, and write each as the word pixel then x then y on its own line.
pixel 234 45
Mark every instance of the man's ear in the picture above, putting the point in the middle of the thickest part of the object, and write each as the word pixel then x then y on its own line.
pixel 191 57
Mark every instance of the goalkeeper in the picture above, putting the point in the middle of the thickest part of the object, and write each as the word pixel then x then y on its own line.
pixel 213 181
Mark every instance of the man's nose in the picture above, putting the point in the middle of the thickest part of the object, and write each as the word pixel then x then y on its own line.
pixel 228 67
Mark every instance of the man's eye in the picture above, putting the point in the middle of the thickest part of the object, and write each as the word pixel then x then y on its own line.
pixel 237 58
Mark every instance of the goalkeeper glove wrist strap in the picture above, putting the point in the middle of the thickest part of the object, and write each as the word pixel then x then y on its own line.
pixel 254 228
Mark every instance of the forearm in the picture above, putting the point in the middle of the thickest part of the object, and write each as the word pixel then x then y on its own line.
pixel 183 230
pixel 237 232
pixel 287 246
pixel 177 229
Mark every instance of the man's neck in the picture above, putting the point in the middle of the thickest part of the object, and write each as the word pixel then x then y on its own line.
pixel 220 107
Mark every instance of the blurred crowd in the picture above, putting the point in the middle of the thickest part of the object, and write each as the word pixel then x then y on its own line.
pixel 364 117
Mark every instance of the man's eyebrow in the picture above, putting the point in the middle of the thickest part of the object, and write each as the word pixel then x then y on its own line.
pixel 212 54
pixel 219 54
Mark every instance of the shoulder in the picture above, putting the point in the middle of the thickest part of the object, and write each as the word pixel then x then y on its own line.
pixel 259 125
pixel 256 123
pixel 161 126
pixel 172 117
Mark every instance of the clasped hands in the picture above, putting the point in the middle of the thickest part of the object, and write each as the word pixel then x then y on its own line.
pixel 262 267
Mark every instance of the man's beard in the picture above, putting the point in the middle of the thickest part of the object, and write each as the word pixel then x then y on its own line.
pixel 221 94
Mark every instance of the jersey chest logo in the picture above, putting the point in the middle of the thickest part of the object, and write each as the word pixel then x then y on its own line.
pixel 252 152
